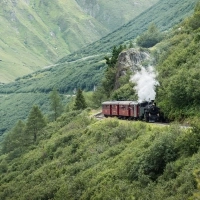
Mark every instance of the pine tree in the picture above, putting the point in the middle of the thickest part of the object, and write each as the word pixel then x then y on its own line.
pixel 15 138
pixel 35 122
pixel 79 101
pixel 55 104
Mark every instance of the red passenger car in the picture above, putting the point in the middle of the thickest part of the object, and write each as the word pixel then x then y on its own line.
pixel 115 108
pixel 110 108
pixel 106 108
pixel 124 109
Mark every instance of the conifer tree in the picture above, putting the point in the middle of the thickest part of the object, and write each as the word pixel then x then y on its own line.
pixel 55 104
pixel 35 122
pixel 79 101
pixel 15 138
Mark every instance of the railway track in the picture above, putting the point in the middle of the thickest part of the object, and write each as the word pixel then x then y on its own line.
pixel 100 116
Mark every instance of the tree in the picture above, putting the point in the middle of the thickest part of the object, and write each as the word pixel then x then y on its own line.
pixel 55 104
pixel 35 122
pixel 126 92
pixel 79 101
pixel 108 82
pixel 98 96
pixel 150 38
pixel 15 138
pixel 115 53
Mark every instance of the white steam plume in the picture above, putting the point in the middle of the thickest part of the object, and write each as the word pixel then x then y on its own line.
pixel 145 83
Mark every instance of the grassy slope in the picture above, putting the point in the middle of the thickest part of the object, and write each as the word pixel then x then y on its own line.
pixel 114 14
pixel 175 9
pixel 109 159
pixel 165 14
pixel 36 33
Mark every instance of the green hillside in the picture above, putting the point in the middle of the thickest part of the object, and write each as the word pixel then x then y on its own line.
pixel 87 58
pixel 86 72
pixel 78 157
pixel 165 14
pixel 37 33
pixel 113 14
pixel 179 69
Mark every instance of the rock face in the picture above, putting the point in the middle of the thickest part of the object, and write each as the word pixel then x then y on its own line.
pixel 131 60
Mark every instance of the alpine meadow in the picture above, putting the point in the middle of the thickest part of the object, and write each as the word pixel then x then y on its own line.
pixel 61 62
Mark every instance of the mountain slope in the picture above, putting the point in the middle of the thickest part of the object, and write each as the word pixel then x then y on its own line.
pixel 93 54
pixel 37 33
pixel 78 157
pixel 113 14
pixel 87 72
pixel 165 14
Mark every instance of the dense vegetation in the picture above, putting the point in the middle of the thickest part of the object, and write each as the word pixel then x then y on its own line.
pixel 150 38
pixel 179 70
pixel 17 106
pixel 78 157
pixel 75 156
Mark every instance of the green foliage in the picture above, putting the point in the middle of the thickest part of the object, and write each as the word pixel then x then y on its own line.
pixel 106 87
pixel 108 82
pixel 98 96
pixel 115 53
pixel 152 163
pixel 55 104
pixel 168 13
pixel 16 106
pixel 47 32
pixel 150 38
pixel 35 122
pixel 15 139
pixel 189 142
pixel 126 92
pixel 194 21
pixel 178 72
pixel 196 194
pixel 34 88
pixel 84 73
pixel 78 157
pixel 80 103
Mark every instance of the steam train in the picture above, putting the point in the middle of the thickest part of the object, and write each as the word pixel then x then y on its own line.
pixel 133 110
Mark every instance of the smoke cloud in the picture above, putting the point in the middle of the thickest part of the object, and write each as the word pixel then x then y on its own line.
pixel 145 83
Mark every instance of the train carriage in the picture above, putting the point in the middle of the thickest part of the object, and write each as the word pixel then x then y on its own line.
pixel 115 108
pixel 124 109
pixel 106 108
pixel 147 111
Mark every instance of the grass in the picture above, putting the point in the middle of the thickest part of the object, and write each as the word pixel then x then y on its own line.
pixel 37 33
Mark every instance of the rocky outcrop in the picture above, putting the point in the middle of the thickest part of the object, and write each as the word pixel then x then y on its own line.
pixel 131 60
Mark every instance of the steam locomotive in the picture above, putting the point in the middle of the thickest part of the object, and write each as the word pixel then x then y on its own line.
pixel 133 110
